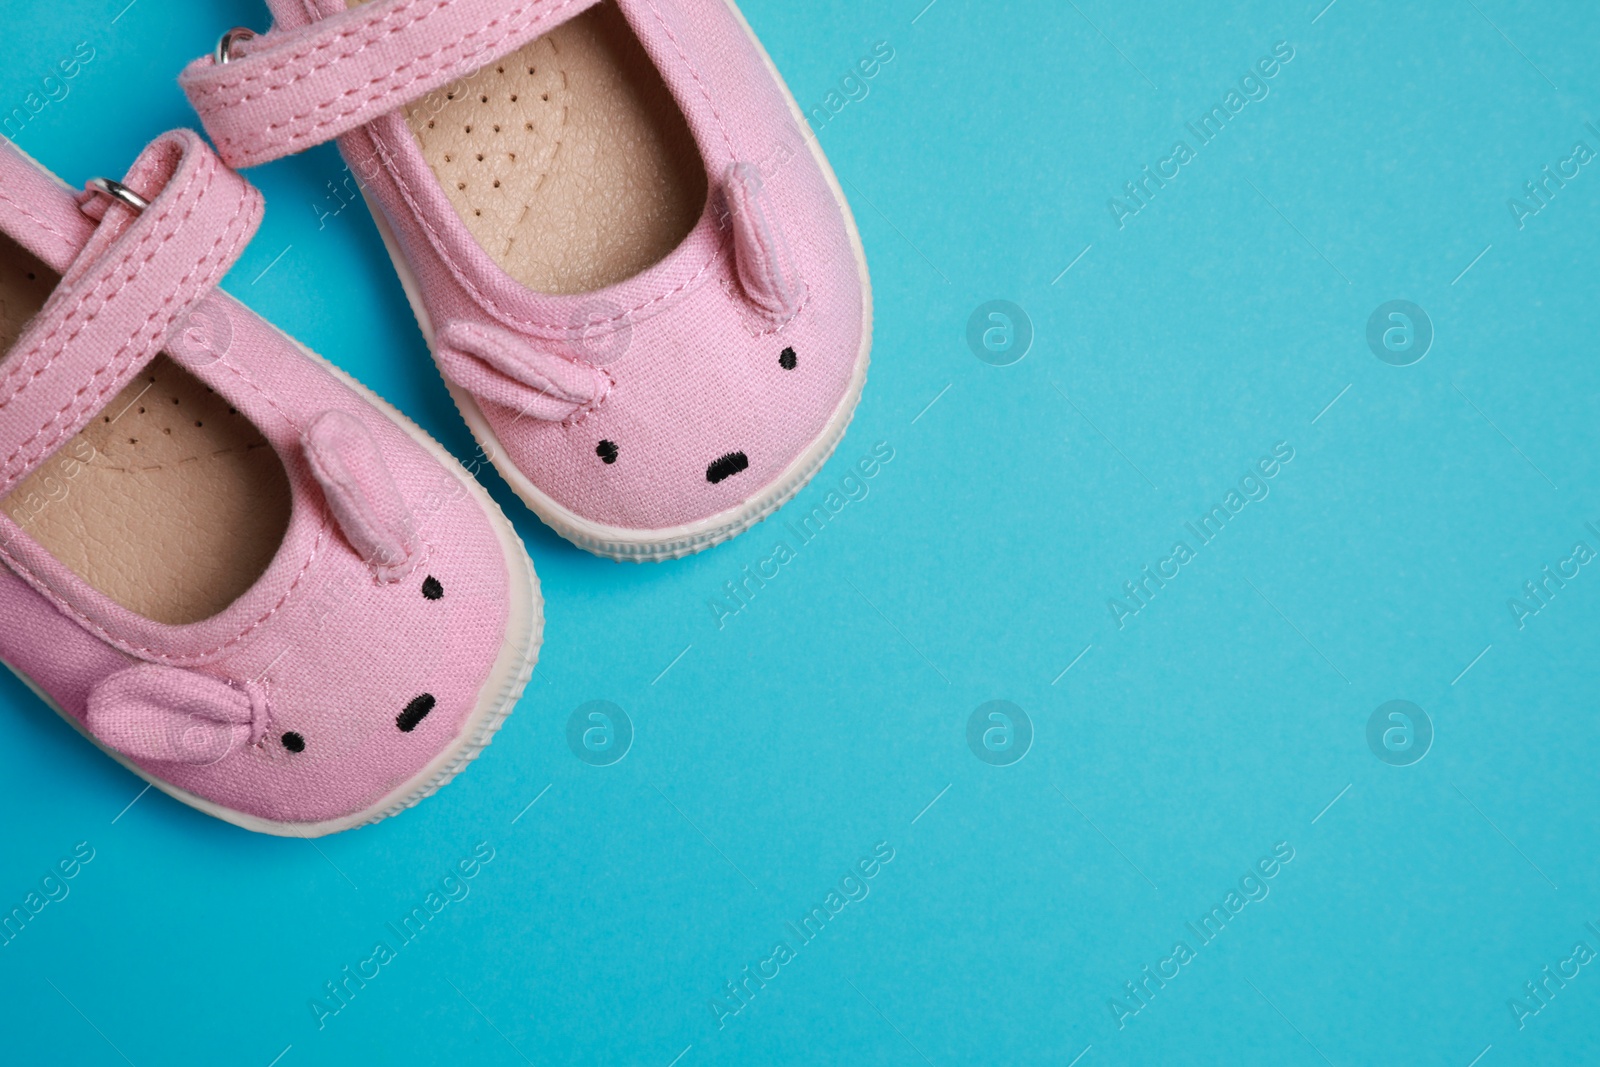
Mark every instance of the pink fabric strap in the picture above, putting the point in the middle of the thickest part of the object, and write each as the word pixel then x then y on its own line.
pixel 296 87
pixel 35 214
pixel 136 279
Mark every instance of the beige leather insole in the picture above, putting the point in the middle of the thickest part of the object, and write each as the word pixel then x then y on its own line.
pixel 170 502
pixel 568 160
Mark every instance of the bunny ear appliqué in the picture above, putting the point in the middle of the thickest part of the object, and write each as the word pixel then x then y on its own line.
pixel 766 271
pixel 505 369
pixel 151 712
pixel 362 494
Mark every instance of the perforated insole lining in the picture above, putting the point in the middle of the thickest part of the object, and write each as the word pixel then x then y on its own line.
pixel 170 502
pixel 568 160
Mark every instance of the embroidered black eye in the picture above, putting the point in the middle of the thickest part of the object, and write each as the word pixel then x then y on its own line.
pixel 431 588
pixel 726 466
pixel 294 742
pixel 787 359
pixel 607 451
pixel 415 712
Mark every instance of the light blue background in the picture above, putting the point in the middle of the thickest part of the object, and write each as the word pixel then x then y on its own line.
pixel 825 717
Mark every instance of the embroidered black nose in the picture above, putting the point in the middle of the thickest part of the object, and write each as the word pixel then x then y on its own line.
pixel 431 588
pixel 726 466
pixel 415 712
pixel 294 742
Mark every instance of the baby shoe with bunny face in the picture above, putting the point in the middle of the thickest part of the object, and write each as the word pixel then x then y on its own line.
pixel 635 268
pixel 250 581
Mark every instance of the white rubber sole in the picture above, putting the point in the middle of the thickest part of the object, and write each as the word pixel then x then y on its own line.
pixel 647 545
pixel 519 652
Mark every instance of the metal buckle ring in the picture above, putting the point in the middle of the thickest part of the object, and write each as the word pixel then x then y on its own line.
pixel 117 191
pixel 225 43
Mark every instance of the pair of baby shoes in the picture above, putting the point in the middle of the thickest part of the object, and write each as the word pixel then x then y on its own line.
pixel 260 587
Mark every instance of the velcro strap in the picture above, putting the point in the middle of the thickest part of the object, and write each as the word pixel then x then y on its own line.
pixel 296 87
pixel 136 279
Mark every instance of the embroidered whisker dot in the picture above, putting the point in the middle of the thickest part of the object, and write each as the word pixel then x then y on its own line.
pixel 415 712
pixel 726 466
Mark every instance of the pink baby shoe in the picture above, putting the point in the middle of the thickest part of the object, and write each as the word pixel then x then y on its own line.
pixel 253 583
pixel 635 268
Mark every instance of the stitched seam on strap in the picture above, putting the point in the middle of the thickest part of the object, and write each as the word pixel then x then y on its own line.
pixel 207 88
pixel 75 407
pixel 37 220
pixel 400 89
pixel 122 264
pixel 233 233
pixel 373 25
pixel 88 290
